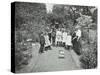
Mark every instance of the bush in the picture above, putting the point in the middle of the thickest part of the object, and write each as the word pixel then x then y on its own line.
pixel 23 49
pixel 89 57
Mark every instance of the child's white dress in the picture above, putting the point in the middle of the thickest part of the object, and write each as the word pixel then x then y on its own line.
pixel 68 40
pixel 58 36
pixel 47 42
pixel 64 36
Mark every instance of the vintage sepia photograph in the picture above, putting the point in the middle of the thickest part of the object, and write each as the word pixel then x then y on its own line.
pixel 53 37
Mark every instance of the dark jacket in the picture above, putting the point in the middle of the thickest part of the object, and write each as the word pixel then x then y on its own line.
pixel 42 40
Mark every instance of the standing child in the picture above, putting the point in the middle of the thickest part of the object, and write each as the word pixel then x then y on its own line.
pixel 69 41
pixel 64 36
pixel 47 42
pixel 58 37
pixel 42 43
pixel 49 34
pixel 53 36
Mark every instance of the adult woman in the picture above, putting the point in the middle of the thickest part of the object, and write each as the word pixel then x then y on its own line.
pixel 75 40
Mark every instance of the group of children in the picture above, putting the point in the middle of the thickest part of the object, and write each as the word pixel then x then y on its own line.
pixel 59 37
pixel 63 38
pixel 44 42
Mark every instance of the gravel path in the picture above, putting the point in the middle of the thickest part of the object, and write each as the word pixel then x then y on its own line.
pixel 50 61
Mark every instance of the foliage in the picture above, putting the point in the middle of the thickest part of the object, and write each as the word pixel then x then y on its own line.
pixel 29 22
pixel 89 57
pixel 89 48
pixel 23 51
pixel 84 20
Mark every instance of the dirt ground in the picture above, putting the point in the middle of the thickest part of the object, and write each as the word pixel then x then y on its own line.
pixel 50 61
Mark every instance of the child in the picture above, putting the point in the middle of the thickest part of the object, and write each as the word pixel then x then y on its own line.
pixel 58 37
pixel 47 42
pixel 68 41
pixel 42 43
pixel 64 36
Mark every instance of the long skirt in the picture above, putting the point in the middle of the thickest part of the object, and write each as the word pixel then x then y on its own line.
pixel 49 37
pixel 41 48
pixel 53 40
pixel 76 46
pixel 58 39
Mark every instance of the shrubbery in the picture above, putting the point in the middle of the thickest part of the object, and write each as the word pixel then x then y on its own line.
pixel 28 24
pixel 89 57
pixel 23 51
